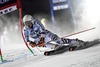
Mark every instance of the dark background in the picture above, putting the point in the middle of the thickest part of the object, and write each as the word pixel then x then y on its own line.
pixel 10 27
pixel 35 6
pixel 41 9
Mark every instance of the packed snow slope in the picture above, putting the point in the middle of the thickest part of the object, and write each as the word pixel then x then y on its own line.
pixel 89 57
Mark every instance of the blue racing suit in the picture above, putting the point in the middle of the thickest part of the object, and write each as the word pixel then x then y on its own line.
pixel 37 31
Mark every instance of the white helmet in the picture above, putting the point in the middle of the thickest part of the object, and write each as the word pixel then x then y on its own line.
pixel 27 18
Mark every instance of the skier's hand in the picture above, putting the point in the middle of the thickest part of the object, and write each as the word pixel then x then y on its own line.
pixel 32 44
pixel 41 43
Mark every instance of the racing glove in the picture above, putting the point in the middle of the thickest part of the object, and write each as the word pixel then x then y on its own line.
pixel 41 43
pixel 32 44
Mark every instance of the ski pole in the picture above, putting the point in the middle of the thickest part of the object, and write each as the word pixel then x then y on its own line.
pixel 79 32
pixel 38 49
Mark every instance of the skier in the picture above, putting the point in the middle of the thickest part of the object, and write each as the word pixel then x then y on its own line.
pixel 36 35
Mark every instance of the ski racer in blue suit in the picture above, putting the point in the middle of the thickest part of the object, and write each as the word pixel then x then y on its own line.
pixel 36 35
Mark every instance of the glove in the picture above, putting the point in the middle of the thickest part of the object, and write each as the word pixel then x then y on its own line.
pixel 32 44
pixel 41 43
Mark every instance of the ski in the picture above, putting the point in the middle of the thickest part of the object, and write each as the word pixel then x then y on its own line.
pixel 56 51
pixel 63 49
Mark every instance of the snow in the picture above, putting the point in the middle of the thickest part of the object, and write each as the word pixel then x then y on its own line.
pixel 89 57
pixel 22 57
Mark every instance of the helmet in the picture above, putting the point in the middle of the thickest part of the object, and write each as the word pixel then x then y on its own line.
pixel 27 18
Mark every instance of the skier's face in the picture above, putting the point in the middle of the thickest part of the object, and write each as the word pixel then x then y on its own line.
pixel 28 23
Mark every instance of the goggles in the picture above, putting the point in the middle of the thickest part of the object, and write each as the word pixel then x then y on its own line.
pixel 27 23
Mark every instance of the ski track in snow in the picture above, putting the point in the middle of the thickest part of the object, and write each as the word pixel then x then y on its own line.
pixel 89 57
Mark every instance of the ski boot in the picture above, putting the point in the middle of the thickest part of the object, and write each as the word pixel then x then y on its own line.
pixel 76 43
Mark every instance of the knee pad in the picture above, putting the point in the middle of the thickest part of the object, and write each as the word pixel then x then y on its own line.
pixel 54 37
pixel 65 41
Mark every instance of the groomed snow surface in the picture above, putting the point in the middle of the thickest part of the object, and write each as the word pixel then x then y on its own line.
pixel 89 57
